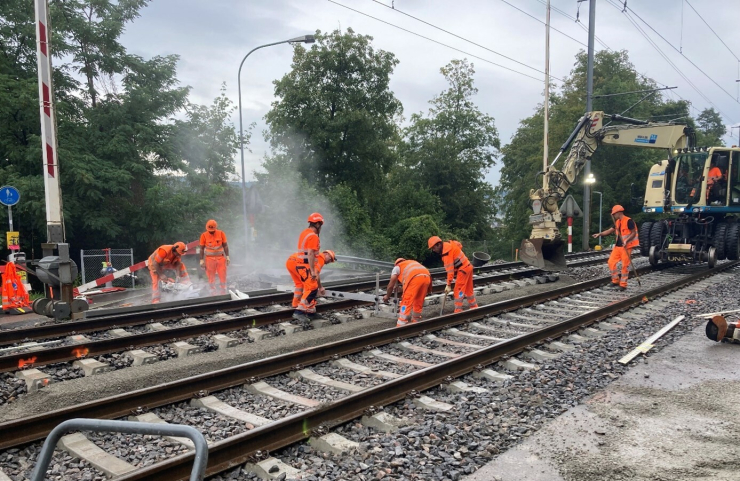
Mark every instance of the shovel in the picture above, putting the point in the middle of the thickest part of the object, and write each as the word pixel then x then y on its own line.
pixel 634 271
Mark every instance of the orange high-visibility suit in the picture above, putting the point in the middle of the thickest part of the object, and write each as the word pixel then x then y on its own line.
pixel 416 283
pixel 457 265
pixel 13 292
pixel 213 246
pixel 164 257
pixel 306 287
pixel 621 253
pixel 713 176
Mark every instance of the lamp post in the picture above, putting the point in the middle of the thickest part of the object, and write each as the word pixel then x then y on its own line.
pixel 590 180
pixel 302 39
pixel 601 197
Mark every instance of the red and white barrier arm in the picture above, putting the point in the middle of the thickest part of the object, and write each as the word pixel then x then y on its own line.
pixel 128 270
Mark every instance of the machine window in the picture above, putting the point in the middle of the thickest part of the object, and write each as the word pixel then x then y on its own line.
pixel 689 171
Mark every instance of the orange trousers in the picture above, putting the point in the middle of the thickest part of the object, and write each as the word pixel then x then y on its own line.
pixel 412 301
pixel 620 254
pixel 178 267
pixel 306 289
pixel 464 289
pixel 216 265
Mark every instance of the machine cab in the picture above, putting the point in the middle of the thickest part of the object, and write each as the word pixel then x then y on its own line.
pixel 708 180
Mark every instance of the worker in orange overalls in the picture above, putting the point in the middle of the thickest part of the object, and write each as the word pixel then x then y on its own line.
pixel 15 297
pixel 713 177
pixel 307 280
pixel 214 256
pixel 457 266
pixel 305 305
pixel 626 231
pixel 166 257
pixel 416 283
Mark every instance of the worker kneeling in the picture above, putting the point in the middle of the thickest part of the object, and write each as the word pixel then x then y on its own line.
pixel 626 232
pixel 167 257
pixel 458 267
pixel 416 283
pixel 307 285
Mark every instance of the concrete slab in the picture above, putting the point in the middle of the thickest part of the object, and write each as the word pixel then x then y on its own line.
pixel 91 367
pixel 310 375
pixel 333 443
pixel 365 313
pixel 156 326
pixel 272 468
pixel 319 323
pixel 401 360
pixel 414 348
pixel 119 333
pixel 80 447
pixel 78 339
pixel 560 346
pixel 425 402
pixel 184 349
pixel 225 342
pixel 384 422
pixel 442 340
pixel 492 375
pixel 591 332
pixel 458 333
pixel 141 357
pixel 212 403
pixel 261 387
pixel 517 365
pixel 223 316
pixel 154 419
pixel 539 355
pixel 34 379
pixel 459 386
pixel 3 476
pixel 191 321
pixel 578 339
pixel 257 334
pixel 343 318
pixel 352 366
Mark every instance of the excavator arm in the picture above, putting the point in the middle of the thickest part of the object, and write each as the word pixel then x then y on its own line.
pixel 544 249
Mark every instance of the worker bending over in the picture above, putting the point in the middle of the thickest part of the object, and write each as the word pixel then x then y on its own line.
pixel 309 245
pixel 305 307
pixel 626 232
pixel 416 283
pixel 214 256
pixel 167 257
pixel 458 267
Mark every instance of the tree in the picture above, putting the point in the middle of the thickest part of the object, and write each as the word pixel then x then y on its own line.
pixel 450 150
pixel 334 119
pixel 710 128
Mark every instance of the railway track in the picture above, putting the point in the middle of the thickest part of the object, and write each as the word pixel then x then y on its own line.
pixel 68 342
pixel 355 377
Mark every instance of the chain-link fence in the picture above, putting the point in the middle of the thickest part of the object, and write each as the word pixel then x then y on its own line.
pixel 96 263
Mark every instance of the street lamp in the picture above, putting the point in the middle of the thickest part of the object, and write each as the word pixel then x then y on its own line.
pixel 601 197
pixel 590 179
pixel 302 39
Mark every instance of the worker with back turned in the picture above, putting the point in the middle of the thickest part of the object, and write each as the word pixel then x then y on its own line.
pixel 458 267
pixel 416 283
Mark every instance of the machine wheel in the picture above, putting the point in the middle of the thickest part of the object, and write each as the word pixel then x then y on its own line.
pixel 720 236
pixel 645 237
pixel 657 235
pixel 712 257
pixel 732 242
pixel 653 256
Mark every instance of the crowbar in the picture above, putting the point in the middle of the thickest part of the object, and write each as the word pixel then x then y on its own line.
pixel 444 300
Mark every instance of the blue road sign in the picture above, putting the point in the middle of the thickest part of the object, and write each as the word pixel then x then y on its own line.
pixel 9 195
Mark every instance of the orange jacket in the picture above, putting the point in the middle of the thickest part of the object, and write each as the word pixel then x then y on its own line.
pixel 308 240
pixel 454 258
pixel 213 243
pixel 13 292
pixel 409 270
pixel 320 261
pixel 163 256
pixel 623 231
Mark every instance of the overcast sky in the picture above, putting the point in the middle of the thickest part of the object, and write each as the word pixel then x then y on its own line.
pixel 212 36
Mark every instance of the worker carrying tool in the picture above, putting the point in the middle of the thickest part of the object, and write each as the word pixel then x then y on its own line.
pixel 214 256
pixel 458 267
pixel 626 232
pixel 15 297
pixel 167 257
pixel 308 288
pixel 416 284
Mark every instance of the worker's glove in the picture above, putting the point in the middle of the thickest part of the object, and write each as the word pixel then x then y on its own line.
pixel 322 291
pixel 386 298
pixel 202 262
pixel 228 261
pixel 448 289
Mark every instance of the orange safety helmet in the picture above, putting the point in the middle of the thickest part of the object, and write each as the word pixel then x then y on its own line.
pixel 315 218
pixel 180 248
pixel 399 260
pixel 211 225
pixel 331 254
pixel 434 240
pixel 617 208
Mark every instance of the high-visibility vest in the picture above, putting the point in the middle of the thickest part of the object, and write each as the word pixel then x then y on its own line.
pixel 14 294
pixel 409 270
pixel 163 255
pixel 453 257
pixel 623 232
pixel 213 243
pixel 306 237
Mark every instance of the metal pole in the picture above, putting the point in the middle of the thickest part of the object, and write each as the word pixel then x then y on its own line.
pixel 10 218
pixel 547 86
pixel 601 197
pixel 589 107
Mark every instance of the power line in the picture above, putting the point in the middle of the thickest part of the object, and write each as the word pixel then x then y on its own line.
pixel 543 23
pixel 715 33
pixel 462 38
pixel 576 20
pixel 440 43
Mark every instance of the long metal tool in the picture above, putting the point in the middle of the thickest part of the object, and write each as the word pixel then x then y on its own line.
pixel 444 300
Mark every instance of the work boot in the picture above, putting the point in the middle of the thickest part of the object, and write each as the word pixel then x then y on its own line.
pixel 612 287
pixel 300 316
pixel 622 288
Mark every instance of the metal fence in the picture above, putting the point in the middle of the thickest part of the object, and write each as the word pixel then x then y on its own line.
pixel 94 264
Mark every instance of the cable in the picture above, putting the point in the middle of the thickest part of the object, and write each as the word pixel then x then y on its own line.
pixel 443 44
pixel 461 38
pixel 576 20
pixel 715 33
pixel 543 23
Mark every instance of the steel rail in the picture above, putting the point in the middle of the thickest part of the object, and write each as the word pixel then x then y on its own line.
pixel 36 427
pixel 241 448
pixel 8 337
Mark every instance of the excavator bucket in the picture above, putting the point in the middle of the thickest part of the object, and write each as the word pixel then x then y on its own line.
pixel 546 254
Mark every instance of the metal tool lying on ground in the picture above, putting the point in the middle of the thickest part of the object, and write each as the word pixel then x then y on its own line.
pixel 182 291
pixel 720 330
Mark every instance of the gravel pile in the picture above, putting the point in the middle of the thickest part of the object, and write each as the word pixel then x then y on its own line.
pixel 213 426
pixel 140 451
pixel 347 375
pixel 10 387
pixel 378 364
pixel 18 464
pixel 306 389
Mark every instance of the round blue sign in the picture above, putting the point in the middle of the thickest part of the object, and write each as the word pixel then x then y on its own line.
pixel 9 195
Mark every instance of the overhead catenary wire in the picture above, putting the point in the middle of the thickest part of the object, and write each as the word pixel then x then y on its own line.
pixel 710 28
pixel 460 37
pixel 441 43
pixel 543 23
pixel 576 21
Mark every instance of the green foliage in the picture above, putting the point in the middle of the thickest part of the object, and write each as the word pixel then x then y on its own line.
pixel 409 237
pixel 710 128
